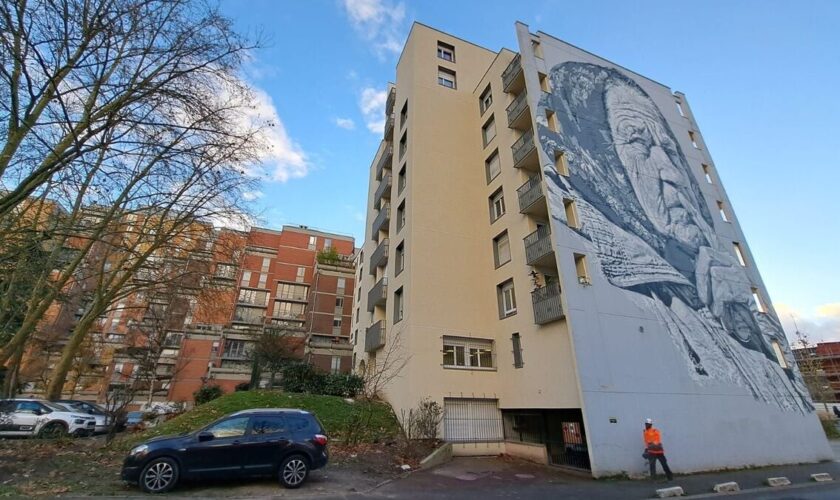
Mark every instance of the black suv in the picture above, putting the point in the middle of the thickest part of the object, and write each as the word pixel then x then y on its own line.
pixel 257 442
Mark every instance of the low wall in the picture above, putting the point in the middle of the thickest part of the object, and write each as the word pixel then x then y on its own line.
pixel 533 452
pixel 477 449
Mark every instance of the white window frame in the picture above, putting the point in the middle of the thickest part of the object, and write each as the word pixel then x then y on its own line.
pixel 246 279
pixel 486 100
pixel 507 299
pixel 488 131
pixel 468 353
pixel 446 52
pixel 335 364
pixel 497 205
pixel 492 166
pixel 447 78
pixel 501 243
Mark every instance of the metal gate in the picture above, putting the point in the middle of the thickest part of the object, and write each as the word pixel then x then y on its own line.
pixel 471 420
pixel 561 431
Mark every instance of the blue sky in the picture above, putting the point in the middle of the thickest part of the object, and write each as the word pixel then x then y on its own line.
pixel 761 78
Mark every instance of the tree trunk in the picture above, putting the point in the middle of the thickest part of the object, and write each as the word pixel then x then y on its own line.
pixel 10 384
pixel 59 373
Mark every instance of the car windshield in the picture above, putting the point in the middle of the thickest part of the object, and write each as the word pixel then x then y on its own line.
pixel 53 406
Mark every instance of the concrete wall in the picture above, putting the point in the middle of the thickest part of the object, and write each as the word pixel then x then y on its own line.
pixel 668 328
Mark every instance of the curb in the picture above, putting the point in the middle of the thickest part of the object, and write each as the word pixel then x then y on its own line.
pixel 762 489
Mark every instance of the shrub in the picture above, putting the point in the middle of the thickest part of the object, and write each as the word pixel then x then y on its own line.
pixel 244 386
pixel 207 393
pixel 343 384
pixel 422 422
pixel 302 377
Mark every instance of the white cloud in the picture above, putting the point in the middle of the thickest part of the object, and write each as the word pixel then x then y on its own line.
pixel 283 159
pixel 821 325
pixel 345 123
pixel 372 104
pixel 380 22
pixel 252 195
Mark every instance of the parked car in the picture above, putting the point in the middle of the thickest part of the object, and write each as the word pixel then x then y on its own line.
pixel 283 442
pixel 103 420
pixel 35 417
pixel 134 421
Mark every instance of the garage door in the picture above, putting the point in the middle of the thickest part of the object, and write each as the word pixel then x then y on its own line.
pixel 472 420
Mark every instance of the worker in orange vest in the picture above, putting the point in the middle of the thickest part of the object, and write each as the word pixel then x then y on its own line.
pixel 654 450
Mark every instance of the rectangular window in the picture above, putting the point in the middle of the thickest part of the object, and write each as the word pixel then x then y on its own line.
pixel 446 78
pixel 336 322
pixel 263 278
pixel 401 180
pixel 707 173
pixel 581 269
pixel 339 302
pixel 537 48
pixel 722 211
pixel 507 299
pixel 249 315
pixel 680 109
pixel 292 291
pixel 253 297
pixel 693 137
pixel 497 205
pixel 545 83
pixel 401 216
pixel 501 249
pixel 488 131
pixel 340 284
pixel 266 262
pixel 780 355
pixel 446 52
pixel 571 213
pixel 561 164
pixel 335 364
pixel 492 166
pixel 516 341
pixel 551 118
pixel 235 349
pixel 739 254
pixel 301 274
pixel 398 305
pixel 404 115
pixel 759 302
pixel 399 261
pixel 327 243
pixel 289 309
pixel 226 271
pixel 403 144
pixel 467 352
pixel 246 279
pixel 486 100
pixel 312 241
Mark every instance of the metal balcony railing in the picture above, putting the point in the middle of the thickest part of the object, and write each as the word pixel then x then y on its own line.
pixel 510 73
pixel 375 337
pixel 384 161
pixel 522 147
pixel 389 102
pixel 547 305
pixel 383 191
pixel 379 258
pixel 538 245
pixel 381 221
pixel 378 294
pixel 530 193
pixel 389 126
pixel 516 108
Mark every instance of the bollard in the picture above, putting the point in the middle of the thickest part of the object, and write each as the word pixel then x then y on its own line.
pixel 729 487
pixel 778 481
pixel 674 491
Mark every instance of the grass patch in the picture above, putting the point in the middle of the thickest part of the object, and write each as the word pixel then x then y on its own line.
pixel 830 428
pixel 366 421
pixel 8 491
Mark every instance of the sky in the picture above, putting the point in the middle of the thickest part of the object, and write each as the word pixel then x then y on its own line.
pixel 760 76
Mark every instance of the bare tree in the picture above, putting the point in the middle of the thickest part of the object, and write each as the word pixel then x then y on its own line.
pixel 811 367
pixel 381 369
pixel 275 347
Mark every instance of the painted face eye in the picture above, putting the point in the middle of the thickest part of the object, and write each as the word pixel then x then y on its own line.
pixel 636 133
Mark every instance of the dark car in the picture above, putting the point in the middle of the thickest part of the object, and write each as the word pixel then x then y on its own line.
pixel 260 442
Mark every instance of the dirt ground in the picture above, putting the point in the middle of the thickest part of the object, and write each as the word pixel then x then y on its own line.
pixel 81 467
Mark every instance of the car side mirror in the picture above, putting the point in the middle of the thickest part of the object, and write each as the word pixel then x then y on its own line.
pixel 205 436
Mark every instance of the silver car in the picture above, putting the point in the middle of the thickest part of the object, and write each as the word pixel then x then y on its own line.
pixel 36 417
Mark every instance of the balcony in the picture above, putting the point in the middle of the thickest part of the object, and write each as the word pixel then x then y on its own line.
pixel 389 127
pixel 375 337
pixel 381 221
pixel 513 79
pixel 525 152
pixel 517 115
pixel 531 198
pixel 380 256
pixel 236 356
pixel 389 102
pixel 538 249
pixel 384 161
pixel 378 294
pixel 383 191
pixel 547 306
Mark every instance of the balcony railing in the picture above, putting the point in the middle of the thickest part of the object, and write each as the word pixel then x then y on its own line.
pixel 530 193
pixel 384 161
pixel 389 102
pixel 379 257
pixel 522 147
pixel 378 294
pixel 515 109
pixel 381 221
pixel 375 337
pixel 383 191
pixel 547 305
pixel 511 72
pixel 538 246
pixel 389 126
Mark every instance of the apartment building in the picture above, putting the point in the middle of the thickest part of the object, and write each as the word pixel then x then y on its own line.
pixel 551 256
pixel 820 365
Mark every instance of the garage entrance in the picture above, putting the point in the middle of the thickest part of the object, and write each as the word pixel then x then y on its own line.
pixel 472 420
pixel 561 431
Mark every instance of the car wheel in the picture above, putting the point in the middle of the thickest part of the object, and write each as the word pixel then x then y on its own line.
pixel 159 476
pixel 52 430
pixel 294 471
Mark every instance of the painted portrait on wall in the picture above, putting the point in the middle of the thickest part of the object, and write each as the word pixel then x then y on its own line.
pixel 642 211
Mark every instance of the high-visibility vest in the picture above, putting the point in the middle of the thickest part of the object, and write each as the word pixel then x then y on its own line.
pixel 652 437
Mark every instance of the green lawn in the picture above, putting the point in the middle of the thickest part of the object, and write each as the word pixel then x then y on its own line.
pixel 360 421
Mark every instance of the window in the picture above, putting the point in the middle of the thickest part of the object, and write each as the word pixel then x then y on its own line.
pixel 516 341
pixel 253 297
pixel 446 52
pixel 507 299
pixel 292 291
pixel 722 211
pixel 780 355
pixel 707 173
pixel 693 137
pixel 680 108
pixel 537 48
pixel 401 180
pixel 551 118
pixel 301 273
pixel 340 284
pixel 501 249
pixel 739 254
pixel 335 364
pixel 581 269
pixel 399 261
pixel 235 348
pixel 398 305
pixel 312 241
pixel 759 302
pixel 226 271
pixel 488 131
pixel 263 278
pixel 492 166
pixel 545 83
pixel 497 205
pixel 571 213
pixel 403 144
pixel 327 243
pixel 268 424
pixel 248 315
pixel 336 322
pixel 446 78
pixel 467 352
pixel 233 427
pixel 404 115
pixel 339 302
pixel 284 309
pixel 266 262
pixel 486 100
pixel 246 279
pixel 118 368
pixel 401 216
pixel 561 164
